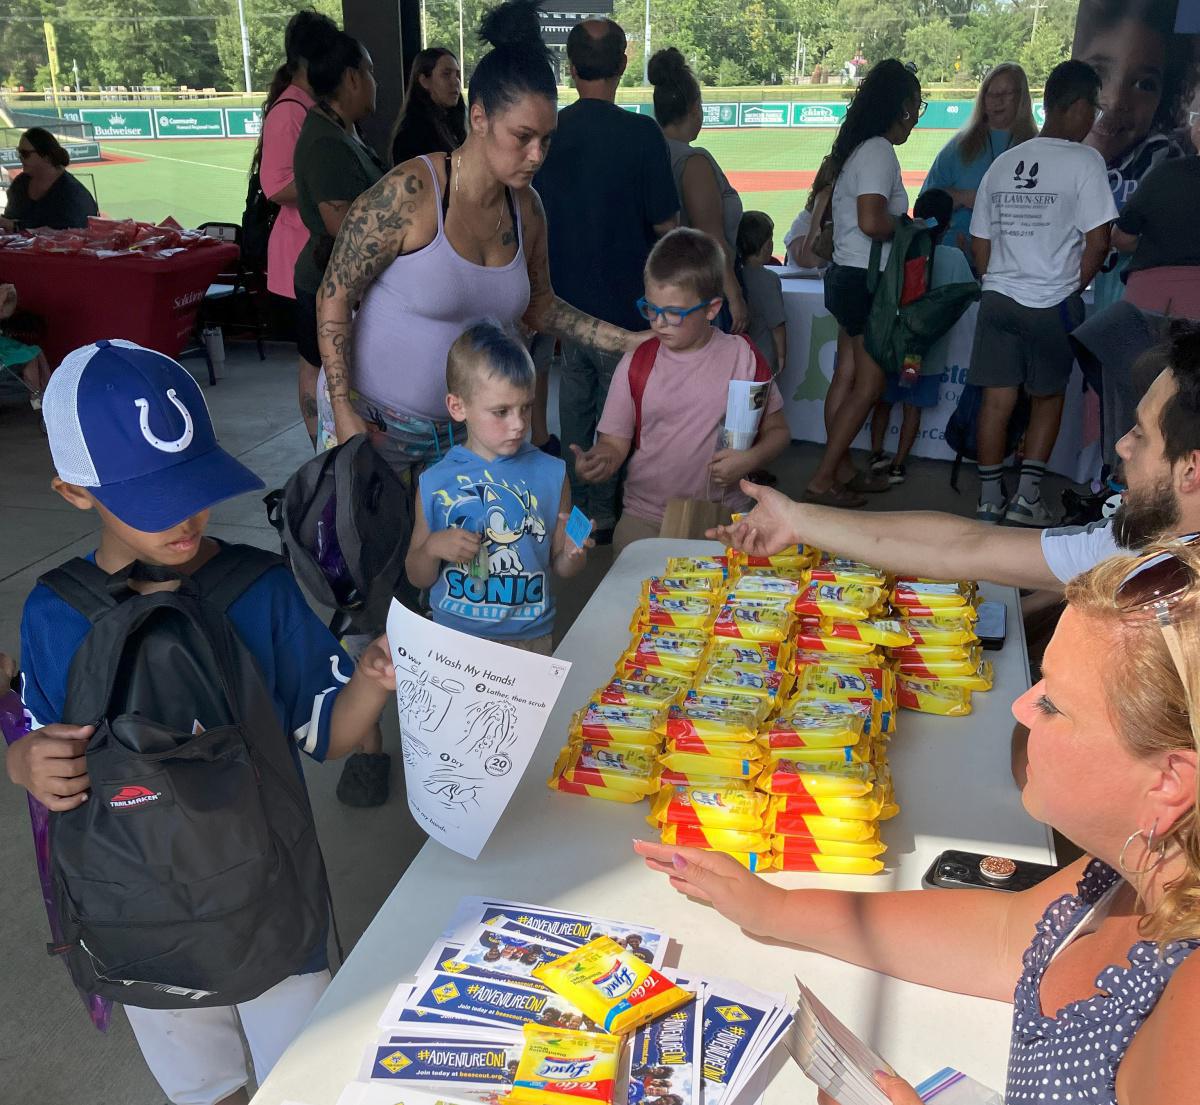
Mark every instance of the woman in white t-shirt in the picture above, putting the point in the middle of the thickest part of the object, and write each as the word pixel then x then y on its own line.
pixel 867 198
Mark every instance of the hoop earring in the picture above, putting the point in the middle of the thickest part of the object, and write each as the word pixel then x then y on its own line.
pixel 906 115
pixel 1149 848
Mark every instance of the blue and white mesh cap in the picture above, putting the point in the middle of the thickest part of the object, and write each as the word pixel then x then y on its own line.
pixel 132 426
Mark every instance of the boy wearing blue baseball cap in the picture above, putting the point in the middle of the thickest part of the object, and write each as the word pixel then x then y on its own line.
pixel 132 439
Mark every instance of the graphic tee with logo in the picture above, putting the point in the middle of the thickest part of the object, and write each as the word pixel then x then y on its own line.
pixel 1034 205
pixel 512 502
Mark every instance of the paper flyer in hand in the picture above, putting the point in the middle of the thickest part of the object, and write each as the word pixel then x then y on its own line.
pixel 832 1056
pixel 471 714
pixel 743 413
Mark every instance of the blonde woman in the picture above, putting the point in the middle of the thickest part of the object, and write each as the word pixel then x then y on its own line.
pixel 1097 960
pixel 1003 117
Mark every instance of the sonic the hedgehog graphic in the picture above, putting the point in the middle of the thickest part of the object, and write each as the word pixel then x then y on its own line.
pixel 501 514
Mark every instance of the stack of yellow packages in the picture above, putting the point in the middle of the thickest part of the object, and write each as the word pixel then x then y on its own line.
pixel 944 663
pixel 827 774
pixel 757 697
pixel 614 742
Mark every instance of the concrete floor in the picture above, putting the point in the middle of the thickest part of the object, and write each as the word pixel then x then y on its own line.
pixel 49 1051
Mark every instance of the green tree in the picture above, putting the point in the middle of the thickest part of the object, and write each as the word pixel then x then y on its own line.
pixel 933 47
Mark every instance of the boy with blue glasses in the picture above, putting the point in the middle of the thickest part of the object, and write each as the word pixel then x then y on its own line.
pixel 666 405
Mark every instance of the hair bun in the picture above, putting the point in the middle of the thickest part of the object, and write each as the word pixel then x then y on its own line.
pixel 516 23
pixel 666 66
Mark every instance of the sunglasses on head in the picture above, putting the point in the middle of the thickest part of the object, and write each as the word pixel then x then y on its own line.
pixel 1154 587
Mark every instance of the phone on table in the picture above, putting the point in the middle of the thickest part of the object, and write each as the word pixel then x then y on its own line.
pixel 992 625
pixel 955 870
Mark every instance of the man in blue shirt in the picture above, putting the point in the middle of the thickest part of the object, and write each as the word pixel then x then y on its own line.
pixel 609 195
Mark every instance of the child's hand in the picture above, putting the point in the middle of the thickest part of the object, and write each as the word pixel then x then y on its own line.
pixel 376 664
pixel 720 880
pixel 50 764
pixel 454 545
pixel 569 547
pixel 8 300
pixel 729 466
pixel 594 466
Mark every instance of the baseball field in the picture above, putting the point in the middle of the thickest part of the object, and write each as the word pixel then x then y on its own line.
pixel 199 180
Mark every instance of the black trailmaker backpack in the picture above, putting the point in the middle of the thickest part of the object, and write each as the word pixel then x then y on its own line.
pixel 345 520
pixel 192 876
pixel 259 214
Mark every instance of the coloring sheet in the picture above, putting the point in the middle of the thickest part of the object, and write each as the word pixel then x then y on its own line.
pixel 471 714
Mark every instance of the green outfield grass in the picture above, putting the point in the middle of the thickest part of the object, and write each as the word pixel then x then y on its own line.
pixel 205 180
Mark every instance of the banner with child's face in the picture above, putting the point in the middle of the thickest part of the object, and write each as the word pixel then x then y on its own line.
pixel 1149 74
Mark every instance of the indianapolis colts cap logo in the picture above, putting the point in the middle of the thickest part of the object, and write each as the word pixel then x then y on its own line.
pixel 182 441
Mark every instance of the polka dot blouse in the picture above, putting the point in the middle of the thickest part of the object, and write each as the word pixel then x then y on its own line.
pixel 1074 1057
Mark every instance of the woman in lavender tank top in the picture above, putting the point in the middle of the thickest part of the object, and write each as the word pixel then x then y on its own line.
pixel 443 242
pixel 1097 961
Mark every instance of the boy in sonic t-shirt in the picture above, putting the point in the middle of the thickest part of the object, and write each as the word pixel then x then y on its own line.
pixel 132 440
pixel 491 515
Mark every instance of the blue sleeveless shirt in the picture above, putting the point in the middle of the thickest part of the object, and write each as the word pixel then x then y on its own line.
pixel 513 502
pixel 1074 1057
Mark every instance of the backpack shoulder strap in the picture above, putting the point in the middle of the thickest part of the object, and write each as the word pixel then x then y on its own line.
pixel 229 574
pixel 640 365
pixel 762 370
pixel 83 586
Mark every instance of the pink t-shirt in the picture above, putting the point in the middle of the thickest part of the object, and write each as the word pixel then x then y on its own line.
pixel 683 411
pixel 288 236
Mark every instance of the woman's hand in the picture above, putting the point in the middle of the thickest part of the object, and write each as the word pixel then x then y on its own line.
pixel 8 300
pixel 962 197
pixel 718 879
pixel 898 1091
pixel 768 528
pixel 7 225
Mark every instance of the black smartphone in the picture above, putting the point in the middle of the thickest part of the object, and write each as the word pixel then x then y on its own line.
pixel 971 870
pixel 992 625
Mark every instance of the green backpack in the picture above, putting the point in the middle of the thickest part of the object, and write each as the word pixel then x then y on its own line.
pixel 907 316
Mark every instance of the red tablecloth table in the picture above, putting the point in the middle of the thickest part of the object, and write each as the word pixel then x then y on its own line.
pixel 83 299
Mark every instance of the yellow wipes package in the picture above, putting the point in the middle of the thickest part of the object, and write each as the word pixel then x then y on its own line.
pixel 654 694
pixel 933 698
pixel 940 630
pixel 561 1067
pixel 677 585
pixel 663 647
pixel 747 620
pixel 728 807
pixel 839 601
pixel 611 985
pixel 765 583
pixel 838 569
pixel 676 611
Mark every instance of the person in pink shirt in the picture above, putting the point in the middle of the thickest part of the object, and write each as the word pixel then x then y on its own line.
pixel 673 449
pixel 284 113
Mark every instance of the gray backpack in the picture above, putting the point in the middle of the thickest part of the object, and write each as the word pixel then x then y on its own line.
pixel 345 520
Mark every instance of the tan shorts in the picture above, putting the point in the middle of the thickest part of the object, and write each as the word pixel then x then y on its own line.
pixel 630 529
pixel 543 646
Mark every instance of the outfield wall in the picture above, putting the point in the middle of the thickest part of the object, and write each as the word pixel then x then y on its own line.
pixel 184 121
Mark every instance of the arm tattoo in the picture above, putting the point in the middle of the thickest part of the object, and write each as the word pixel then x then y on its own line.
pixel 371 237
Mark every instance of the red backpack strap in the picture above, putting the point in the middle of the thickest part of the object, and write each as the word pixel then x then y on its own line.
pixel 762 370
pixel 640 365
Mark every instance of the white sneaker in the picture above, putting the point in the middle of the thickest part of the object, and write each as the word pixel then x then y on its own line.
pixel 1024 513
pixel 991 513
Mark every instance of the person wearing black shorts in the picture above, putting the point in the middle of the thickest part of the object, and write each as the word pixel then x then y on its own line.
pixel 868 198
pixel 1039 234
